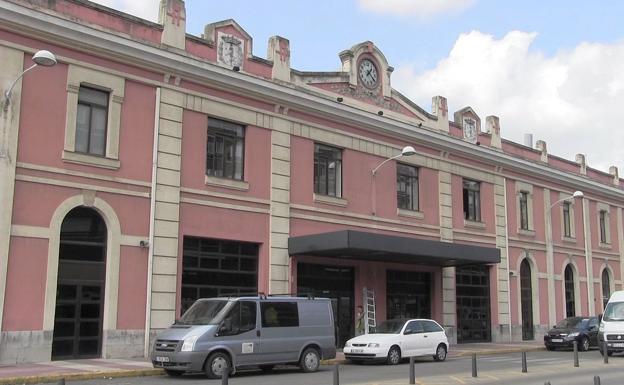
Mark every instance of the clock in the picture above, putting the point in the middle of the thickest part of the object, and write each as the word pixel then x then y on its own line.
pixel 368 73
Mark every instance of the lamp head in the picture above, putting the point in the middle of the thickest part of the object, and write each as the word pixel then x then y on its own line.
pixel 44 58
pixel 578 194
pixel 408 150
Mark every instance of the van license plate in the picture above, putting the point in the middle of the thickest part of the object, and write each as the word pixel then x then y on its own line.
pixel 162 359
pixel 618 345
pixel 357 350
pixel 556 340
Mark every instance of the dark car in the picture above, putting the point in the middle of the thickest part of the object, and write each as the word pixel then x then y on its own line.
pixel 583 330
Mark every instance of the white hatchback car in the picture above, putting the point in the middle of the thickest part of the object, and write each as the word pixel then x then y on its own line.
pixel 398 338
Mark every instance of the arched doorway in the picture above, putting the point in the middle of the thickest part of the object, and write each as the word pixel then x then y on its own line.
pixel 80 286
pixel 526 300
pixel 569 291
pixel 606 287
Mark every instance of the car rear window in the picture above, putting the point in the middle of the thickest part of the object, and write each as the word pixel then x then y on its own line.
pixel 431 327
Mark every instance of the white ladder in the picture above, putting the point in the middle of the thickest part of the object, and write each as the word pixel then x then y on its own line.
pixel 369 310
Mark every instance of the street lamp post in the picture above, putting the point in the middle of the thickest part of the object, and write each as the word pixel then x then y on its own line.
pixel 407 151
pixel 550 253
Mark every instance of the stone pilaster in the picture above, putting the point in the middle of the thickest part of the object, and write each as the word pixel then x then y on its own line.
pixel 279 53
pixel 439 108
pixel 492 125
pixel 502 269
pixel 279 273
pixel 167 210
pixel 12 66
pixel 449 295
pixel 550 262
pixel 588 257
pixel 172 16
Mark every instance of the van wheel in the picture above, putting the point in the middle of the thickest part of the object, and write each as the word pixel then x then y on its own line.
pixel 394 356
pixel 310 360
pixel 173 373
pixel 216 363
pixel 440 353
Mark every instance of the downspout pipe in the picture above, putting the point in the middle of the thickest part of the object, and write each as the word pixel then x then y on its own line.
pixel 150 255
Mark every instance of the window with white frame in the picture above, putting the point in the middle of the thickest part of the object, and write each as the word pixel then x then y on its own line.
pixel 524 210
pixel 567 220
pixel 327 170
pixel 604 224
pixel 93 118
pixel 606 287
pixel 225 149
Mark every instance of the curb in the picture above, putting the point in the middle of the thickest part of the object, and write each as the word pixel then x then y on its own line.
pixel 81 376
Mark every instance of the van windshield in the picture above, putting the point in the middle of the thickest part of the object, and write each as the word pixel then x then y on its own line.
pixel 203 312
pixel 614 312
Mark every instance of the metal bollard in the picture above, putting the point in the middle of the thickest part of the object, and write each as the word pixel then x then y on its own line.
pixel 474 364
pixel 225 375
pixel 605 353
pixel 412 379
pixel 547 383
pixel 596 380
pixel 524 362
pixel 576 361
pixel 336 374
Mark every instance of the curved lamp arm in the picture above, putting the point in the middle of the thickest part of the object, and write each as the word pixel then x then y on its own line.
pixel 577 194
pixel 386 161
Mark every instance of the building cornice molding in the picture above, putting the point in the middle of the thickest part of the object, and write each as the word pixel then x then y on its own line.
pixel 66 32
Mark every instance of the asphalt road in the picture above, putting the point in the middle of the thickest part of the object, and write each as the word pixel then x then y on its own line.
pixel 556 367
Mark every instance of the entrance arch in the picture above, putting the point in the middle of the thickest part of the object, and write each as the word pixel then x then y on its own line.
pixel 570 291
pixel 526 300
pixel 80 286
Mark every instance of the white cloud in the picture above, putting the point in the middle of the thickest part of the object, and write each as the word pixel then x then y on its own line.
pixel 418 8
pixel 573 99
pixel 145 9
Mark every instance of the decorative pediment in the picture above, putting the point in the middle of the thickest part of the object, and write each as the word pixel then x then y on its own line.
pixel 232 42
pixel 367 68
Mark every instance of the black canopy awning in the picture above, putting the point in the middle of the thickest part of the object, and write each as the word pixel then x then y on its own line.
pixel 351 244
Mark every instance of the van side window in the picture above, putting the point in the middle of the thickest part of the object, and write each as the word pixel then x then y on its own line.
pixel 241 318
pixel 279 314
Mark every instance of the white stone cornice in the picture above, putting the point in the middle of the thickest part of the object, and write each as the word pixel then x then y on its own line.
pixel 68 33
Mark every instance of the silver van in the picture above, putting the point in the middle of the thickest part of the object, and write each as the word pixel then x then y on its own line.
pixel 218 333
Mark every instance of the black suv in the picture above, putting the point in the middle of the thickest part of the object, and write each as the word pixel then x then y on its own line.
pixel 583 330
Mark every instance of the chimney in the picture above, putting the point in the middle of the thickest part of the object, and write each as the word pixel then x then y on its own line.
pixel 492 126
pixel 528 140
pixel 541 146
pixel 613 170
pixel 172 16
pixel 439 108
pixel 279 52
pixel 580 159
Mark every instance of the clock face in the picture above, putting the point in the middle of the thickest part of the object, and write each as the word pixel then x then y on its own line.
pixel 368 73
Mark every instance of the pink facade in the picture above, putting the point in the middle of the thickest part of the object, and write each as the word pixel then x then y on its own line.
pixel 186 209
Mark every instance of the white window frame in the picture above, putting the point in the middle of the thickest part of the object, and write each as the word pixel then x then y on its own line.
pixel 606 208
pixel 528 189
pixel 115 85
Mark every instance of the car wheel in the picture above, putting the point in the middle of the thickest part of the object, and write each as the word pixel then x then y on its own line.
pixel 266 368
pixel 173 373
pixel 216 363
pixel 584 346
pixel 394 355
pixel 310 360
pixel 440 353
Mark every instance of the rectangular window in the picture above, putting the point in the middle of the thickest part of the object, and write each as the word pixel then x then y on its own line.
pixel 91 121
pixel 603 226
pixel 225 149
pixel 524 210
pixel 327 170
pixel 567 225
pixel 279 314
pixel 407 187
pixel 472 200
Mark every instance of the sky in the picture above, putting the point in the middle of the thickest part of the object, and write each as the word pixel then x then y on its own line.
pixel 550 68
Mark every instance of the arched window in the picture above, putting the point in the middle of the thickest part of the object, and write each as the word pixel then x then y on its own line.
pixel 606 287
pixel 526 300
pixel 569 291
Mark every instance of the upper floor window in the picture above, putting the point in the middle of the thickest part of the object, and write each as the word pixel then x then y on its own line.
pixel 567 223
pixel 524 210
pixel 225 149
pixel 91 121
pixel 327 170
pixel 472 200
pixel 603 226
pixel 407 187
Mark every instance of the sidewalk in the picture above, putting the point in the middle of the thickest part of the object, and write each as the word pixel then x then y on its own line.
pixel 114 368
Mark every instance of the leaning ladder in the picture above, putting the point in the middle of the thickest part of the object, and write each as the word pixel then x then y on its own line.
pixel 369 310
